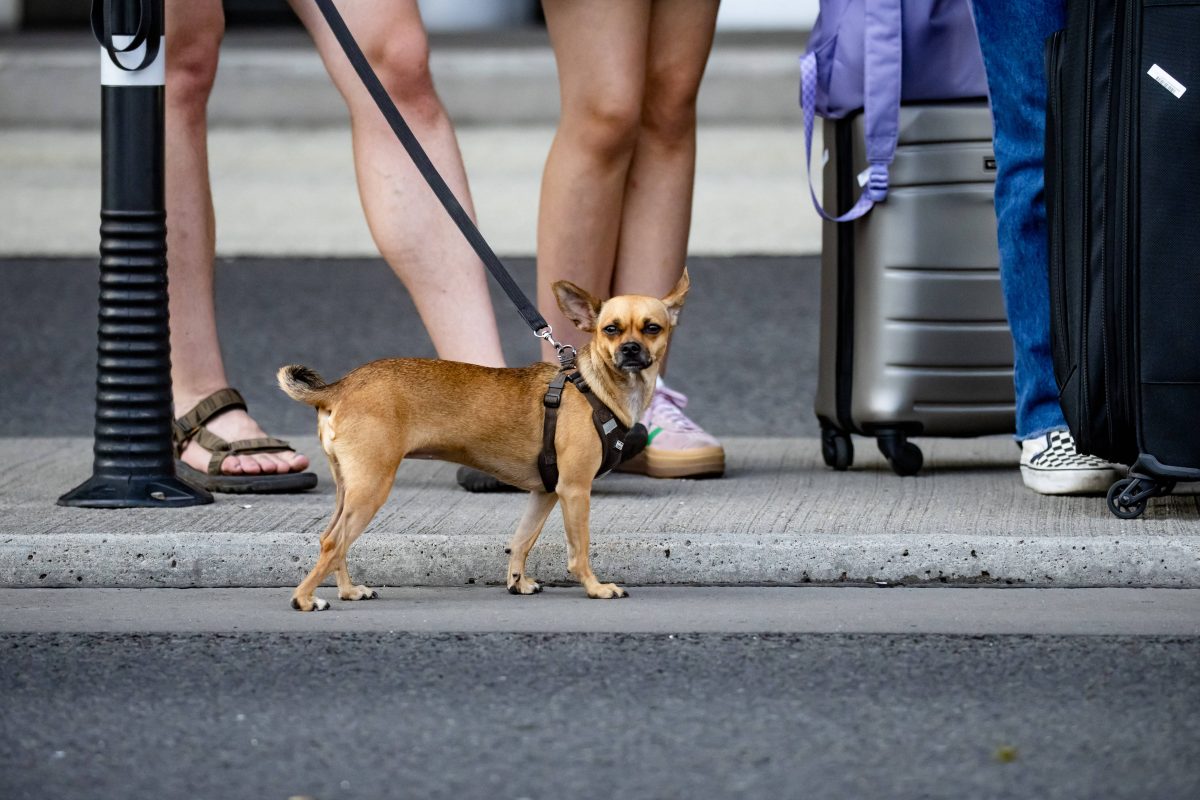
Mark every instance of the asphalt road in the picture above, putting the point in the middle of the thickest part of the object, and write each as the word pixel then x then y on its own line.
pixel 615 715
pixel 690 693
pixel 745 353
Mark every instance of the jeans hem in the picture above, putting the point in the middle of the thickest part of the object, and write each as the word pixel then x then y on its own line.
pixel 1025 437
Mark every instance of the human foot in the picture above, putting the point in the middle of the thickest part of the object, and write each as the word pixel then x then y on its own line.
pixel 677 447
pixel 1050 464
pixel 223 415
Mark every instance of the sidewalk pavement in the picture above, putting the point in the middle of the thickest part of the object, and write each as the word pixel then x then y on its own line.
pixel 778 518
pixel 283 181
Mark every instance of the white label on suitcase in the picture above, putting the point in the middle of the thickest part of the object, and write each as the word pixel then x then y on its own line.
pixel 1170 84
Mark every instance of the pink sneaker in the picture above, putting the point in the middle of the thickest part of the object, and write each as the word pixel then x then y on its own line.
pixel 677 447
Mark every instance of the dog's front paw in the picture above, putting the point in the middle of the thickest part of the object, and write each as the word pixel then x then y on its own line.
pixel 606 591
pixel 311 604
pixel 522 584
pixel 358 593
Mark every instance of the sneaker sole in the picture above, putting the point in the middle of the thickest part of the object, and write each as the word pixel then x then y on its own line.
pixel 698 462
pixel 1069 481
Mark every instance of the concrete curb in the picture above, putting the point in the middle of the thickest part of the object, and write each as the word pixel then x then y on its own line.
pixel 779 517
pixel 213 560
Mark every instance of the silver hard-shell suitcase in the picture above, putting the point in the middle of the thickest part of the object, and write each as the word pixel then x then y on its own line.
pixel 914 338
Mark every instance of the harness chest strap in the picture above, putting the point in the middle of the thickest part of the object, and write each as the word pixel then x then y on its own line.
pixel 612 433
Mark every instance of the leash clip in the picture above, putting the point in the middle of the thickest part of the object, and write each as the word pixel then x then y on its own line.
pixel 566 353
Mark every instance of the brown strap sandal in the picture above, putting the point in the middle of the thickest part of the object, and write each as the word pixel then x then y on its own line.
pixel 190 427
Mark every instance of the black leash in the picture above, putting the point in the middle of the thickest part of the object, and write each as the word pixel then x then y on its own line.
pixel 541 328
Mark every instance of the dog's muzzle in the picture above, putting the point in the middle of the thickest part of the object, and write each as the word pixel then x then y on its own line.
pixel 632 357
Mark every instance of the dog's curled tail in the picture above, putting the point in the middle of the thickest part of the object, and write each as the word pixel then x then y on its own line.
pixel 301 383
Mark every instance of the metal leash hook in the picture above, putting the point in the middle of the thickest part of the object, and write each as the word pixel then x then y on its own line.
pixel 566 353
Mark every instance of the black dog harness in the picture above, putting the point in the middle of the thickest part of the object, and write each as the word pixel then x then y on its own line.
pixel 612 432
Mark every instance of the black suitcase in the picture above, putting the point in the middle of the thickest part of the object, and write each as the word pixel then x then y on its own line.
pixel 1122 171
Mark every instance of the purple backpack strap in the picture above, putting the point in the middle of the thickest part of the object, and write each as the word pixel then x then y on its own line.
pixel 881 103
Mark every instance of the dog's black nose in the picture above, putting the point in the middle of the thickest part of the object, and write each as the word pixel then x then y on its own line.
pixel 631 349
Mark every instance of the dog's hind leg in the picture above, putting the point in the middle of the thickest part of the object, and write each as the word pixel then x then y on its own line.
pixel 308 602
pixel 361 493
pixel 346 588
pixel 539 508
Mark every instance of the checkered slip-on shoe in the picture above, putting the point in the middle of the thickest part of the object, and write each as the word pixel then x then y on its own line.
pixel 1050 464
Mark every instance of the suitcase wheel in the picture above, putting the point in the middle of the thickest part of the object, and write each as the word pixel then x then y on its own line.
pixel 904 456
pixel 1127 497
pixel 836 448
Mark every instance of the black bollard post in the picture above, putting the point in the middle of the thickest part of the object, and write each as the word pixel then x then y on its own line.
pixel 134 457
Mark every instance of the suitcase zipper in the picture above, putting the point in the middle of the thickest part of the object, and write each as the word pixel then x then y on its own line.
pixel 1127 253
pixel 1121 254
pixel 1083 436
pixel 1108 256
pixel 1129 312
pixel 844 358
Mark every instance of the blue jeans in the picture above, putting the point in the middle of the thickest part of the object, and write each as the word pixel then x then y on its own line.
pixel 1012 34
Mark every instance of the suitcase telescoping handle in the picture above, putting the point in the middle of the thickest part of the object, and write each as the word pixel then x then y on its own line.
pixel 882 57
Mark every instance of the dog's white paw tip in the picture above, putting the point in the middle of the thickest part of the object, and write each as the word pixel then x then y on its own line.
pixel 318 604
pixel 609 593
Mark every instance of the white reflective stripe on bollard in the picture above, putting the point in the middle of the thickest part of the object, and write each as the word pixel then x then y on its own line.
pixel 153 75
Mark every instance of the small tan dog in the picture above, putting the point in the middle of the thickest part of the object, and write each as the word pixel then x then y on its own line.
pixel 487 418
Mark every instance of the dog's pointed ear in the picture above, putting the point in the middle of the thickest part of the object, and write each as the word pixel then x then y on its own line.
pixel 674 300
pixel 577 305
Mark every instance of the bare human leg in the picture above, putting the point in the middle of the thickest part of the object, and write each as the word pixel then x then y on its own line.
pixel 656 216
pixel 194 30
pixel 412 230
pixel 657 210
pixel 600 49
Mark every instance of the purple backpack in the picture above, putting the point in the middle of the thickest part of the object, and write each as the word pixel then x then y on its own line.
pixel 871 55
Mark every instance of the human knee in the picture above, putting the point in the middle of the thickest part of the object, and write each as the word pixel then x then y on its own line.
pixel 192 69
pixel 607 124
pixel 402 63
pixel 669 113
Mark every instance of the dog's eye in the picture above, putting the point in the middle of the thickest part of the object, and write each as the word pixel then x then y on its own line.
pixel 611 330
pixel 652 328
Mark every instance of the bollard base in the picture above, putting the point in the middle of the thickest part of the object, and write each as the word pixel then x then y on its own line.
pixel 102 491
